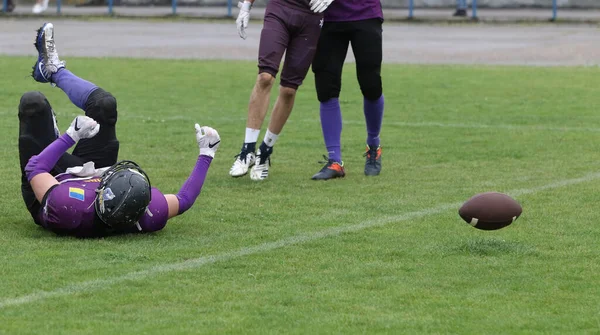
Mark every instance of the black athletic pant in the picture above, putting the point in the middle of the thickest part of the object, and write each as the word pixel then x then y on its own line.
pixel 366 39
pixel 36 132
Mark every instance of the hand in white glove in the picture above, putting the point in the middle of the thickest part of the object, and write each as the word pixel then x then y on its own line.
pixel 208 140
pixel 243 18
pixel 83 127
pixel 319 6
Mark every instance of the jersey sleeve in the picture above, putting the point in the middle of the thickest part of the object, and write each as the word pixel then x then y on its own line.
pixel 156 215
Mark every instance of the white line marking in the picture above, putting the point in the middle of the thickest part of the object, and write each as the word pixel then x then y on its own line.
pixel 431 124
pixel 485 126
pixel 245 251
pixel 391 123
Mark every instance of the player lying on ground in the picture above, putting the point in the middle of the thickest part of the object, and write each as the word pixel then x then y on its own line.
pixel 293 27
pixel 64 192
pixel 359 23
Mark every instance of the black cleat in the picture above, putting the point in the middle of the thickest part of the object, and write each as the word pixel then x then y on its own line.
pixel 373 163
pixel 331 170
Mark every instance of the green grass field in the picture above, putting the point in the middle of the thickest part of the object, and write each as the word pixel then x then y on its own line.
pixel 358 255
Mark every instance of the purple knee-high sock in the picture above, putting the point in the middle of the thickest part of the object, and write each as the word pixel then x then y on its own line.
pixel 77 89
pixel 331 124
pixel 373 110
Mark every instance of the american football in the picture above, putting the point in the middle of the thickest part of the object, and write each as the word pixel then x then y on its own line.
pixel 490 211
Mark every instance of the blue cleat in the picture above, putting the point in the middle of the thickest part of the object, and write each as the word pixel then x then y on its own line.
pixel 332 169
pixel 48 62
pixel 373 162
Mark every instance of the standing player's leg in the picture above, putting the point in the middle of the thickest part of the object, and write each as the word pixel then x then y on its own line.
pixel 367 46
pixel 299 55
pixel 37 129
pixel 274 39
pixel 461 8
pixel 327 67
pixel 98 104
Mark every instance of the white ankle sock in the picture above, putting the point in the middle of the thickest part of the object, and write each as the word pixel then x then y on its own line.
pixel 270 138
pixel 251 135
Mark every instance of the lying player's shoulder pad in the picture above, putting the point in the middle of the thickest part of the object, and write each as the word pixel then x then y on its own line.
pixel 490 211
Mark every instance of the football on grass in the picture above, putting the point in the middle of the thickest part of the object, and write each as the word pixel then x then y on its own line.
pixel 490 211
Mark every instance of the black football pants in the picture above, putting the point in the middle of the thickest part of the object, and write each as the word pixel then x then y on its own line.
pixel 366 39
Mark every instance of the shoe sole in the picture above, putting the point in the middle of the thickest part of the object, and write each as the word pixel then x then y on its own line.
pixel 260 177
pixel 43 31
pixel 40 46
pixel 243 174
pixel 373 173
pixel 334 177
pixel 48 30
pixel 239 175
pixel 267 162
pixel 326 179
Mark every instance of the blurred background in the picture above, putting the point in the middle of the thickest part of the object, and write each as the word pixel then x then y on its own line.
pixel 490 10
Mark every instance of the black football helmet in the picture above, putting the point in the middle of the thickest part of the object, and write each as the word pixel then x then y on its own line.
pixel 123 195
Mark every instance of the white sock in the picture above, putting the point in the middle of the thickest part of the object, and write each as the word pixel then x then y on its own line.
pixel 270 138
pixel 251 135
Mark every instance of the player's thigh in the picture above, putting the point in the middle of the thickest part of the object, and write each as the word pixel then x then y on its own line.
pixel 367 47
pixel 102 149
pixel 300 53
pixel 332 48
pixel 36 125
pixel 31 202
pixel 367 44
pixel 36 131
pixel 328 62
pixel 274 39
pixel 103 154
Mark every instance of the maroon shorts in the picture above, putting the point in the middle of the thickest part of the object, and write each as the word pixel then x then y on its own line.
pixel 293 31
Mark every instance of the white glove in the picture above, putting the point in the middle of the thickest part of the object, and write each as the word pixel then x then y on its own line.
pixel 83 127
pixel 243 18
pixel 319 6
pixel 208 140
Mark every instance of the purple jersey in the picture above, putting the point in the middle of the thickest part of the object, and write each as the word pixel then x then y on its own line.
pixel 69 209
pixel 353 10
pixel 302 5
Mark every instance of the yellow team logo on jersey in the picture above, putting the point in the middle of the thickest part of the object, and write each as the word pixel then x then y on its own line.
pixel 77 193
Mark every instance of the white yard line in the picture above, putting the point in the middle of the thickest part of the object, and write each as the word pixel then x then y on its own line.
pixel 485 126
pixel 99 284
pixel 428 124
